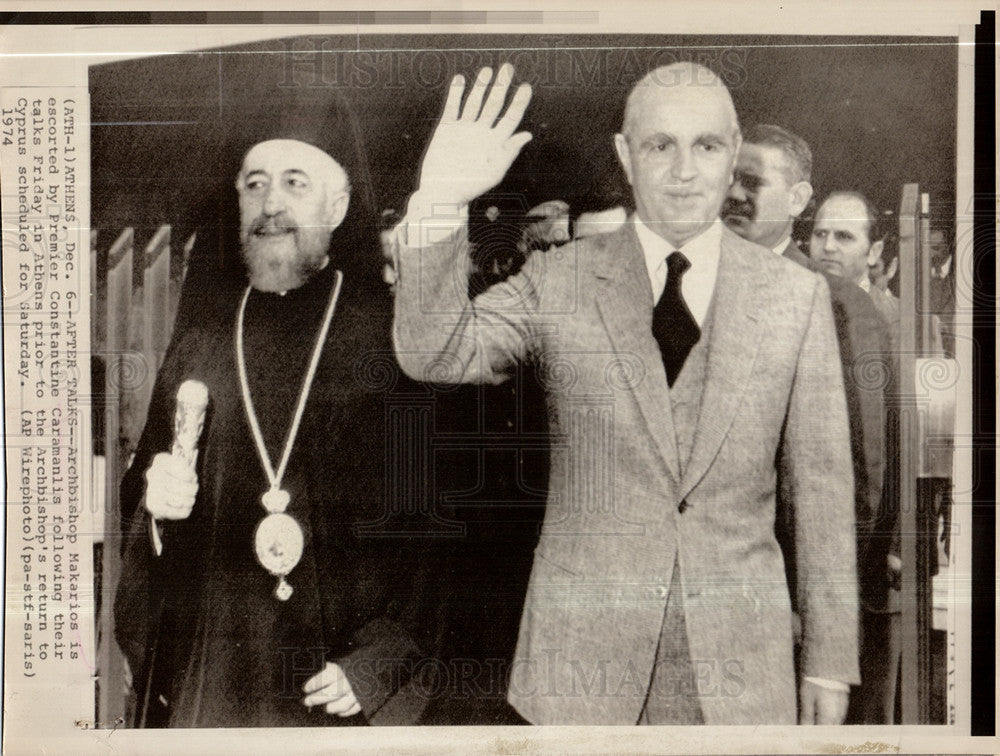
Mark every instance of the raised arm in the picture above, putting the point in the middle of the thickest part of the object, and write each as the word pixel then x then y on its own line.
pixel 439 334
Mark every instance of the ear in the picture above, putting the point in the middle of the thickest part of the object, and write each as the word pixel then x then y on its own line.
pixel 336 207
pixel 624 155
pixel 890 272
pixel 875 252
pixel 800 194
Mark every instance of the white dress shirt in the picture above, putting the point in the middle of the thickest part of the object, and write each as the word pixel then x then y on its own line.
pixel 699 280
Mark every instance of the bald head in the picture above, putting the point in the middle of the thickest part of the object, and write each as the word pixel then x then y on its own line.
pixel 679 83
pixel 678 146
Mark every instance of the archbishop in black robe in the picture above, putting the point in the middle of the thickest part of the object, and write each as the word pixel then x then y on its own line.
pixel 208 642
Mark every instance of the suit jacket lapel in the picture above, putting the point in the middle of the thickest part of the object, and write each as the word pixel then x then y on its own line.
pixel 625 303
pixel 793 253
pixel 732 348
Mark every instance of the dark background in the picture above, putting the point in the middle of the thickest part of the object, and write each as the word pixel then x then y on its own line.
pixel 877 112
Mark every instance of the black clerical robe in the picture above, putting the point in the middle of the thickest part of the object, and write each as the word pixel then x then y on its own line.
pixel 199 624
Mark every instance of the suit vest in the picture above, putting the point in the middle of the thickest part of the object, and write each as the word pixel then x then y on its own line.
pixel 672 696
pixel 685 394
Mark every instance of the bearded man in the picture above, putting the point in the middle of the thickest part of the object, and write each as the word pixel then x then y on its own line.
pixel 270 579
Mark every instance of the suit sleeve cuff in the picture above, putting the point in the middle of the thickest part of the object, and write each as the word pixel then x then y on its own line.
pixel 380 666
pixel 429 222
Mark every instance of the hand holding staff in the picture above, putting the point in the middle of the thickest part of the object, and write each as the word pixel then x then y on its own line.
pixel 172 483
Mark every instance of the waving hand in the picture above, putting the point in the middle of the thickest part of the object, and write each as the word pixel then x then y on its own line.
pixel 474 144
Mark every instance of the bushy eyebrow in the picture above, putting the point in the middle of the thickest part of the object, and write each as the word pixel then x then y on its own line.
pixel 711 138
pixel 817 228
pixel 291 172
pixel 749 177
pixel 656 138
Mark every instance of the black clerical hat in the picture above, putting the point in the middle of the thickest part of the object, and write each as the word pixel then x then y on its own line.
pixel 320 117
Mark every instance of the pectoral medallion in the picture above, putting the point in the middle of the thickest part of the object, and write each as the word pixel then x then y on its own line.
pixel 278 540
pixel 278 543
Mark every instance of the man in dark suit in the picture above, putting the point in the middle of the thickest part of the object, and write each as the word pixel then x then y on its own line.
pixel 686 370
pixel 771 189
pixel 846 240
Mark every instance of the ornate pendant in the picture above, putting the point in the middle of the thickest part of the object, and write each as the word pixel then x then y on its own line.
pixel 275 500
pixel 284 591
pixel 278 543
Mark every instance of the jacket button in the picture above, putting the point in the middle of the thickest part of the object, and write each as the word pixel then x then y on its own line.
pixel 682 507
pixel 661 591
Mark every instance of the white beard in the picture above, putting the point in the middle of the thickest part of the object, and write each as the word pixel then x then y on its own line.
pixel 285 261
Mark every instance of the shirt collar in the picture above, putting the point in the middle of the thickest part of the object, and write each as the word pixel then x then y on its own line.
pixel 702 250
pixel 780 248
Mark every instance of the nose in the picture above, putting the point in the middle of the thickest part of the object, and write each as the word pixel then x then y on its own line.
pixel 274 201
pixel 737 192
pixel 683 168
pixel 829 244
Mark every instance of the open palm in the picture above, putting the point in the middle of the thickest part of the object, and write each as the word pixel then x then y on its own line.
pixel 474 145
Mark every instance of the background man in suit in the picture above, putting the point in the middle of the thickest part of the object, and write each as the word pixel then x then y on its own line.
pixel 658 590
pixel 943 286
pixel 846 240
pixel 771 189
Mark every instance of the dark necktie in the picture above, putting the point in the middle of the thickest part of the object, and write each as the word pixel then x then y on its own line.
pixel 674 327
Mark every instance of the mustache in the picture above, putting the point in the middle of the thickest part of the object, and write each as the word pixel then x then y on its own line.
pixel 738 208
pixel 281 222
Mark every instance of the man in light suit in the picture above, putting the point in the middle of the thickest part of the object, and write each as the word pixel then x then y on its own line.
pixel 658 590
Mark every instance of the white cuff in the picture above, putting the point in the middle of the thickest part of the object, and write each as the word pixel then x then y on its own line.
pixel 154 534
pixel 829 684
